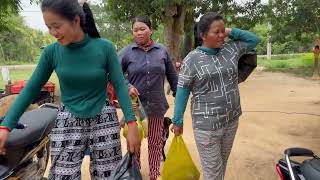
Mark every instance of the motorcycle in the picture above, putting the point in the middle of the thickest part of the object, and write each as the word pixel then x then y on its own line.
pixel 28 145
pixel 309 169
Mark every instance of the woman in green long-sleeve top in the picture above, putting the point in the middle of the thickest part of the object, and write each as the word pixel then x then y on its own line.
pixel 210 72
pixel 83 63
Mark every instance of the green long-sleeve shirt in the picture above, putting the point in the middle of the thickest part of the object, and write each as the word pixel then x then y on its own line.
pixel 83 69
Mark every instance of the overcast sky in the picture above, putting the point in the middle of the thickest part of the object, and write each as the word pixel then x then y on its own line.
pixel 33 16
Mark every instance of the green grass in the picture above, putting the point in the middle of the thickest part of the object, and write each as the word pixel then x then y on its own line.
pixel 15 62
pixel 25 75
pixel 3 63
pixel 300 65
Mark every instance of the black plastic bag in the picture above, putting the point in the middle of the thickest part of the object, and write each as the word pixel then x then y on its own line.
pixel 127 169
pixel 247 63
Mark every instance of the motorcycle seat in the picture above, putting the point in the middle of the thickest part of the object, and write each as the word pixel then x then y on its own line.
pixel 311 169
pixel 38 123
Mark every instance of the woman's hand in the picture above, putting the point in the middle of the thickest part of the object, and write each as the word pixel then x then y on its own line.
pixel 133 92
pixel 122 123
pixel 133 139
pixel 177 130
pixel 4 134
pixel 135 106
pixel 116 104
pixel 227 32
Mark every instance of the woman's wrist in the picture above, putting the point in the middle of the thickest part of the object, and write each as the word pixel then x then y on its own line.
pixel 132 123
pixel 177 124
pixel 5 128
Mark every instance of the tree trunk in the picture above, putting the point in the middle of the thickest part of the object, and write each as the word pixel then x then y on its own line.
pixel 173 20
pixel 188 34
pixel 2 52
pixel 187 44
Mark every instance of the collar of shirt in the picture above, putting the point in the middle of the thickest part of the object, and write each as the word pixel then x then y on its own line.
pixel 155 45
pixel 209 51
pixel 80 44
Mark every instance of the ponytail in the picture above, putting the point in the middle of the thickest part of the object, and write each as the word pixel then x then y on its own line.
pixel 89 25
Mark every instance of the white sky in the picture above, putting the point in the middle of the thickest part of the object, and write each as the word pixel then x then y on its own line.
pixel 33 16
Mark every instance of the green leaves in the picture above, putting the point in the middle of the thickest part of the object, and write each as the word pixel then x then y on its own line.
pixel 8 8
pixel 113 29
pixel 296 17
pixel 21 43
pixel 10 5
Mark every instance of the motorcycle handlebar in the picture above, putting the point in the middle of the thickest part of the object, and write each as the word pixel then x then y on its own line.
pixel 299 152
pixel 49 105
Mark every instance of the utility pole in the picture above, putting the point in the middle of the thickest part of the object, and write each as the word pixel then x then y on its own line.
pixel 269 45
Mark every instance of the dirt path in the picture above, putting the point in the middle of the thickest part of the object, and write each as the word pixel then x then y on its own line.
pixel 262 136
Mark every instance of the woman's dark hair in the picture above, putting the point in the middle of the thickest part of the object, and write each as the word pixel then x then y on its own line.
pixel 316 47
pixel 206 20
pixel 69 9
pixel 143 19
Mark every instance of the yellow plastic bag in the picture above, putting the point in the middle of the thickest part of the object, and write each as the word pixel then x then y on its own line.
pixel 179 165
pixel 145 127
pixel 140 130
pixel 141 120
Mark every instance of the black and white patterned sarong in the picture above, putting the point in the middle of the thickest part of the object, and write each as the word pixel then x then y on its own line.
pixel 71 136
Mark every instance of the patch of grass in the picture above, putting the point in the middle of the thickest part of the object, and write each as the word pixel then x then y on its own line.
pixel 6 63
pixel 299 65
pixel 25 75
pixel 283 56
pixel 15 62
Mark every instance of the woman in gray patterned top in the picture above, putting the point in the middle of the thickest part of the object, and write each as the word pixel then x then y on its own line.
pixel 210 72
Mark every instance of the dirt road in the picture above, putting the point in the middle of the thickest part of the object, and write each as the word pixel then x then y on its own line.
pixel 262 136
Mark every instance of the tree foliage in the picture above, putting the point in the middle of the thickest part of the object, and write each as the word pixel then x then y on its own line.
pixel 243 15
pixel 119 32
pixel 21 43
pixel 170 13
pixel 115 30
pixel 178 16
pixel 299 18
pixel 7 9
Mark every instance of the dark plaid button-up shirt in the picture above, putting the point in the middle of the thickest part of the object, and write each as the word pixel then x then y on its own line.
pixel 146 71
